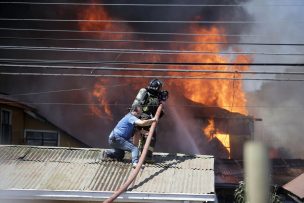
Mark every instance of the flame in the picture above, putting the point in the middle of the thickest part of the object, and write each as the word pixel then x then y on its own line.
pixel 99 93
pixel 95 12
pixel 211 133
pixel 210 129
pixel 225 140
pixel 227 94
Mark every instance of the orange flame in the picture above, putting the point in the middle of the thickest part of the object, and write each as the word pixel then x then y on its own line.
pixel 95 12
pixel 227 94
pixel 99 92
pixel 211 133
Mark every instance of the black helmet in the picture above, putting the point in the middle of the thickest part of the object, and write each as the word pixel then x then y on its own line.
pixel 155 85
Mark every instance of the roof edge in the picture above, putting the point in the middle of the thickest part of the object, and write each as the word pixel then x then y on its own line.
pixel 100 196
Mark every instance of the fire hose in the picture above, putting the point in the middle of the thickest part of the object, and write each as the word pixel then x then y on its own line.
pixel 134 173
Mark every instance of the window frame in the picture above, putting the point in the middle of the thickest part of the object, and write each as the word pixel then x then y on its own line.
pixel 42 131
pixel 10 116
pixel 10 122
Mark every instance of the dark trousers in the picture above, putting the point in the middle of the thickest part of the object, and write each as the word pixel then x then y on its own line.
pixel 142 143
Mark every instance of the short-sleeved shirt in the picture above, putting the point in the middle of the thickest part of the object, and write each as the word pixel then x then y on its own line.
pixel 125 126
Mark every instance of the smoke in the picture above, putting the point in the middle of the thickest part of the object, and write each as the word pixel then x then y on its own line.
pixel 278 24
pixel 281 108
pixel 183 133
pixel 180 14
pixel 279 104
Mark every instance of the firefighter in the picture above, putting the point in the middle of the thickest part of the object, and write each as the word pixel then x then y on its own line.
pixel 150 98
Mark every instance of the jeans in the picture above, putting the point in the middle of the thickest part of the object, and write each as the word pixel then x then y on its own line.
pixel 120 145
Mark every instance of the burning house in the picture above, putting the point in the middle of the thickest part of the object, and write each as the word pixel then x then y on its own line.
pixel 206 112
pixel 216 107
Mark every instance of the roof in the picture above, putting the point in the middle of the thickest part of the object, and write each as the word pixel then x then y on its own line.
pixel 296 186
pixel 8 100
pixel 231 171
pixel 80 174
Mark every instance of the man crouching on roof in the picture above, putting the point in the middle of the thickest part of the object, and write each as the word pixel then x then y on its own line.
pixel 120 136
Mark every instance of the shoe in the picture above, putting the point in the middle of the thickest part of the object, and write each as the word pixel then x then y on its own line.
pixel 135 164
pixel 104 155
pixel 150 161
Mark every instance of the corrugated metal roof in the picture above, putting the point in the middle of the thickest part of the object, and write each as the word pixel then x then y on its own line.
pixel 75 169
pixel 296 186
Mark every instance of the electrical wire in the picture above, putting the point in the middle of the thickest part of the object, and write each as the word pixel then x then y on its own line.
pixel 139 51
pixel 173 105
pixel 148 21
pixel 146 76
pixel 153 69
pixel 127 32
pixel 151 41
pixel 146 5
pixel 62 90
pixel 166 63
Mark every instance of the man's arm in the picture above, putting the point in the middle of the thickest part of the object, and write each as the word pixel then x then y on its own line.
pixel 145 122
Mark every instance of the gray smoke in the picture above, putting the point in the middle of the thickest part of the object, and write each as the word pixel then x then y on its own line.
pixel 279 104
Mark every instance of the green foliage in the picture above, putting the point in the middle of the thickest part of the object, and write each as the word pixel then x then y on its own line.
pixel 239 194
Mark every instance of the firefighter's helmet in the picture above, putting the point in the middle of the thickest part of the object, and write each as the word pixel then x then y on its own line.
pixel 155 85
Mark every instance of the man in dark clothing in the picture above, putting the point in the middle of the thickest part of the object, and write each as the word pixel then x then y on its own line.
pixel 150 98
pixel 120 136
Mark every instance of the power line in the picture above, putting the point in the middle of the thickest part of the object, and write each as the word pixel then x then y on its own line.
pixel 152 41
pixel 62 90
pixel 147 21
pixel 126 32
pixel 173 105
pixel 146 76
pixel 146 5
pixel 153 69
pixel 139 51
pixel 44 61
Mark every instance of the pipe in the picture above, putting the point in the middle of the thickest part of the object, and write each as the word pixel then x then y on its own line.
pixel 257 177
pixel 134 173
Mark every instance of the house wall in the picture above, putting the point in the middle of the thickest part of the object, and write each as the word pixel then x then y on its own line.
pixel 17 123
pixel 65 140
pixel 22 121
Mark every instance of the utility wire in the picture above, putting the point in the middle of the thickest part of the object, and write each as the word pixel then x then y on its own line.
pixel 63 90
pixel 126 32
pixel 153 69
pixel 146 76
pixel 166 63
pixel 148 21
pixel 173 105
pixel 151 41
pixel 139 51
pixel 146 5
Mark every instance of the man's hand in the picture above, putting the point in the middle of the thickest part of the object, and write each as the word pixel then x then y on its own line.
pixel 145 122
pixel 154 120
